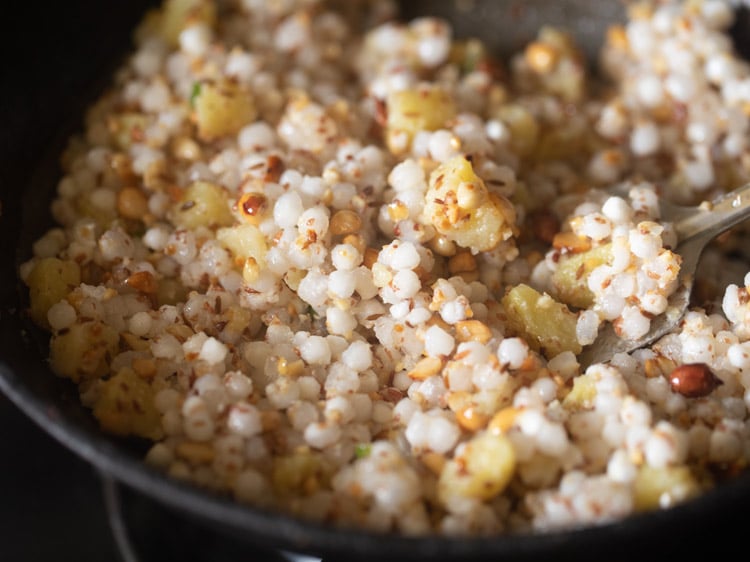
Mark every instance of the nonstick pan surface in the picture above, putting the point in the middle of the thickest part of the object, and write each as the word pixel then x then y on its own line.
pixel 58 58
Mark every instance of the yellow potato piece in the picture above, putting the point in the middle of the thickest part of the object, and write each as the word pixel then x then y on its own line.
pixel 583 393
pixel 179 14
pixel 547 325
pixel 84 350
pixel 244 241
pixel 523 126
pixel 461 208
pixel 570 279
pixel 300 473
pixel 125 406
pixel 663 487
pixel 203 204
pixel 482 471
pixel 426 108
pixel 222 109
pixel 49 282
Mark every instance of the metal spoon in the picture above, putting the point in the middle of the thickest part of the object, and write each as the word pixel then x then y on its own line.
pixel 695 228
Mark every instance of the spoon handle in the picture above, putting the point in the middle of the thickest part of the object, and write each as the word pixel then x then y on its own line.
pixel 711 219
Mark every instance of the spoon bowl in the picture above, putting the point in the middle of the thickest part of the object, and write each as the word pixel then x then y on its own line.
pixel 695 227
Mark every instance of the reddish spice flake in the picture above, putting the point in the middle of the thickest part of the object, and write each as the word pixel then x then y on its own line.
pixel 274 167
pixel 580 271
pixel 381 112
pixel 143 282
pixel 694 380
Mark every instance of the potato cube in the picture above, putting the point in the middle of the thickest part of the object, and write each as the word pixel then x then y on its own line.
pixel 179 14
pixel 49 282
pixel 461 208
pixel 583 393
pixel 301 473
pixel 203 204
pixel 222 109
pixel 84 350
pixel 523 126
pixel 244 241
pixel 663 487
pixel 125 406
pixel 570 279
pixel 482 470
pixel 547 325
pixel 426 108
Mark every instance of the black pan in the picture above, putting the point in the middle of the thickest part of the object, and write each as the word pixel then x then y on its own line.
pixel 56 60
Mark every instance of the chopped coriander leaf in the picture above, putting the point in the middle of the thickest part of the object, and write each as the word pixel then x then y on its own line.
pixel 194 93
pixel 362 450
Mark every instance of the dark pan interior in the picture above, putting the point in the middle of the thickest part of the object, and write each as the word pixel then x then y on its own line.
pixel 60 63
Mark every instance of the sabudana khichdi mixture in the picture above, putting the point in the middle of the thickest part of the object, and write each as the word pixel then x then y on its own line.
pixel 344 269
